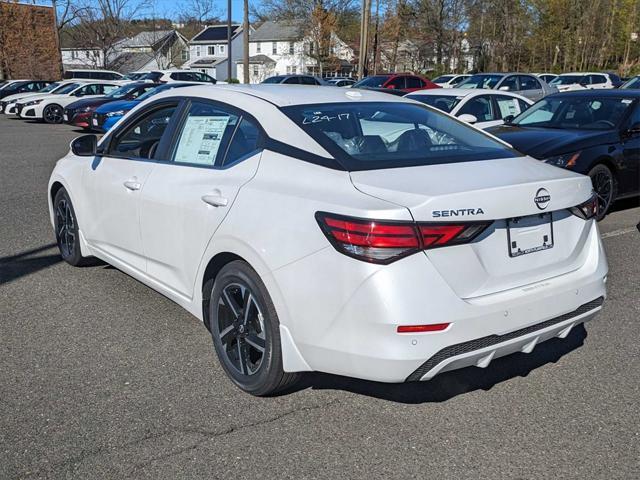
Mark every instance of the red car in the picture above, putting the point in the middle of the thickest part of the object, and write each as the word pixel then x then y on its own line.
pixel 399 82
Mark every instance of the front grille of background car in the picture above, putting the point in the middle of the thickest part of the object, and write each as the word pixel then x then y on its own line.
pixel 478 343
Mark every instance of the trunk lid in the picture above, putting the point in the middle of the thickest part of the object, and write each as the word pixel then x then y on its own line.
pixel 493 190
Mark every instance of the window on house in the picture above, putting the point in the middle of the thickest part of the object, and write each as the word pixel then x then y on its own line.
pixel 73 54
pixel 311 48
pixel 211 50
pixel 222 49
pixel 258 47
pixel 198 52
pixel 290 48
pixel 184 55
pixel 274 48
pixel 255 70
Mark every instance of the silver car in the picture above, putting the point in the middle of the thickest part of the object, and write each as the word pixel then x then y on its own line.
pixel 523 84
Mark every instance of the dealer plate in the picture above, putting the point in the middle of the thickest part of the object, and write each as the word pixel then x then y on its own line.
pixel 94 121
pixel 530 234
pixel 65 117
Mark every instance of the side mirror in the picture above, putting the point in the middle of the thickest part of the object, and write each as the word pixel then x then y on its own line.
pixel 468 118
pixel 505 88
pixel 85 146
pixel 508 119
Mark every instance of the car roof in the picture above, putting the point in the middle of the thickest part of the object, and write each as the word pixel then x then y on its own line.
pixel 463 92
pixel 286 95
pixel 600 93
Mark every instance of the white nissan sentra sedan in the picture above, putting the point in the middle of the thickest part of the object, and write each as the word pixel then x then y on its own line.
pixel 349 232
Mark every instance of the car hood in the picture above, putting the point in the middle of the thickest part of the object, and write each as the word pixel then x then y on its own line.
pixel 545 142
pixel 117 105
pixel 20 96
pixel 89 102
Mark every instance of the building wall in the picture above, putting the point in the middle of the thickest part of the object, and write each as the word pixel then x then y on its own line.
pixel 28 42
pixel 82 58
pixel 201 50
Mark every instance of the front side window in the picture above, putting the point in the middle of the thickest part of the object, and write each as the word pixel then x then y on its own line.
pixel 510 83
pixel 372 135
pixel 68 88
pixel 445 103
pixel 576 112
pixel 598 79
pixel 480 107
pixel 398 83
pixel 205 135
pixel 141 139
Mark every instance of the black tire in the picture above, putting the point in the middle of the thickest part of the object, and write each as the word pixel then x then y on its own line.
pixel 66 230
pixel 606 188
pixel 242 321
pixel 52 114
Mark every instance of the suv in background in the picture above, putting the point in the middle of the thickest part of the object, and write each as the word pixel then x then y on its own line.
pixel 93 75
pixel 167 76
pixel 585 81
pixel 525 84
pixel 295 80
pixel 399 83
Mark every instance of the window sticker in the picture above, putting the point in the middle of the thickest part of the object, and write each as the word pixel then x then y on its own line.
pixel 200 139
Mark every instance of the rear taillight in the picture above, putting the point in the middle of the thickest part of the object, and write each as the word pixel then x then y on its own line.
pixel 588 209
pixel 383 242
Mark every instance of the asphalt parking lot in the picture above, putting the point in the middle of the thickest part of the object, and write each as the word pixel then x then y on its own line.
pixel 101 377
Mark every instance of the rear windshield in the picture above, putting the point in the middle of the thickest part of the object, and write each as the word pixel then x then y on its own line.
pixel 442 79
pixel 372 135
pixel 446 103
pixel 633 83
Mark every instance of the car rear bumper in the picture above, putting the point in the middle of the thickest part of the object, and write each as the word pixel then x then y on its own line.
pixel 348 324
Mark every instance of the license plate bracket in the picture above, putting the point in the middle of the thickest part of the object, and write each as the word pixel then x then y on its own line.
pixel 530 234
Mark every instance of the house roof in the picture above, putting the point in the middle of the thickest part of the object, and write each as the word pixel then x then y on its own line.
pixel 147 39
pixel 215 33
pixel 279 30
pixel 258 60
pixel 130 62
pixel 207 62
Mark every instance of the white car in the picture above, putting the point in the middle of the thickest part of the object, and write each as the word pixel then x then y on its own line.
pixel 8 103
pixel 93 74
pixel 581 81
pixel 450 81
pixel 50 107
pixel 164 76
pixel 483 108
pixel 342 231
pixel 547 77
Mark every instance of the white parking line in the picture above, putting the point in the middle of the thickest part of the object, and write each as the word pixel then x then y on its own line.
pixel 615 233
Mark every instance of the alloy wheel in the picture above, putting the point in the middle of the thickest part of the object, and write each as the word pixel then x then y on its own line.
pixel 65 228
pixel 240 328
pixel 603 186
pixel 53 114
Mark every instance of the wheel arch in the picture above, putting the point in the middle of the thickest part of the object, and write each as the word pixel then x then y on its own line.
pixel 215 264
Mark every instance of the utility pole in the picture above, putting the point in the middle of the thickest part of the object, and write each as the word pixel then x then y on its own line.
pixel 229 66
pixel 55 26
pixel 364 37
pixel 245 43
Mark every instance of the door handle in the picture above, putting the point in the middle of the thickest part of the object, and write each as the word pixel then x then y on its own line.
pixel 215 200
pixel 132 185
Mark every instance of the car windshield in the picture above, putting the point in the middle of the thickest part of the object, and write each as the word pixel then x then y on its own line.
pixel 442 79
pixel 566 80
pixel 122 91
pixel 579 112
pixel 276 79
pixel 49 88
pixel 377 81
pixel 481 81
pixel 67 88
pixel 446 103
pixel 374 135
pixel 632 83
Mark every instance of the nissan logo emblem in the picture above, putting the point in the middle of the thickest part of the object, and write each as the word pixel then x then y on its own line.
pixel 542 198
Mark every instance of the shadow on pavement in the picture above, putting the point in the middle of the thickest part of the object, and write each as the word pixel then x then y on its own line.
pixel 25 263
pixel 626 204
pixel 447 385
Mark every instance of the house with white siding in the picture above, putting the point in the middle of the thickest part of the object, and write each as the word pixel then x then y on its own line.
pixel 209 50
pixel 283 47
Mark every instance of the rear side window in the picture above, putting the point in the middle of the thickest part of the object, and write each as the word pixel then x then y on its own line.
pixel 396 82
pixel 507 106
pixel 308 81
pixel 372 135
pixel 292 81
pixel 511 83
pixel 245 142
pixel 529 83
pixel 414 82
pixel 205 135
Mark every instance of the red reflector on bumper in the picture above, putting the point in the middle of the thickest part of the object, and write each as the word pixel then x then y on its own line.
pixel 434 327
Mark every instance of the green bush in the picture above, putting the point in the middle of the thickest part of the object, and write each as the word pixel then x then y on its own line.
pixel 233 80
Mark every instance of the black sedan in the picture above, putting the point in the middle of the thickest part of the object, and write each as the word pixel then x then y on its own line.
pixel 594 132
